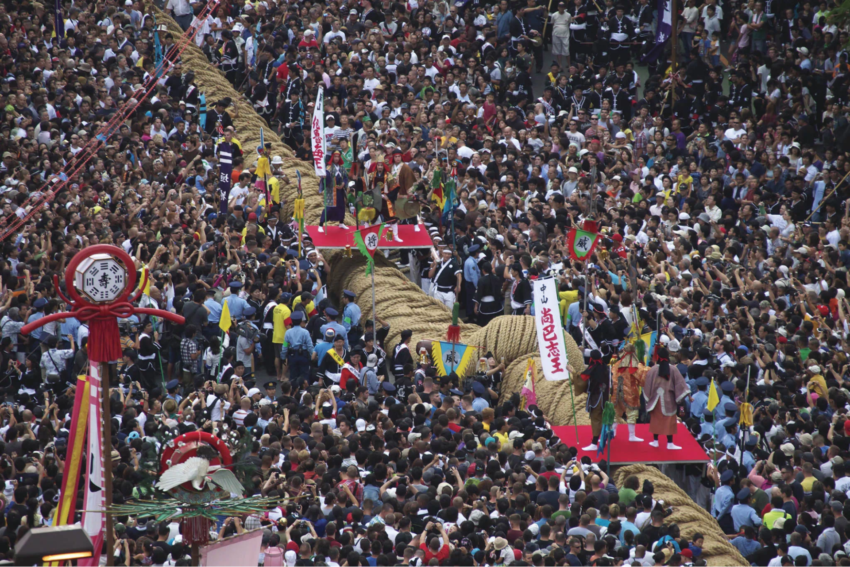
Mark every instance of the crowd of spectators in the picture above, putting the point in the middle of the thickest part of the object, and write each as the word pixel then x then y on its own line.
pixel 721 197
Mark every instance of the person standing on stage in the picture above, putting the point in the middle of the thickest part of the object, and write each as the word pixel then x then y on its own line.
pixel 665 387
pixel 598 380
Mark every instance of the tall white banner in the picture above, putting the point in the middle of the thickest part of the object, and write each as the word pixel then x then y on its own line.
pixel 550 331
pixel 317 134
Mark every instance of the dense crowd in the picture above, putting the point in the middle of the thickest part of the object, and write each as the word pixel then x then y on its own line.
pixel 718 187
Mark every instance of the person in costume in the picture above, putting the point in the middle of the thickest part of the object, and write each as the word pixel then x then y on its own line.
pixel 664 388
pixel 629 377
pixel 377 183
pixel 397 180
pixel 335 185
pixel 364 196
pixel 401 180
pixel 598 380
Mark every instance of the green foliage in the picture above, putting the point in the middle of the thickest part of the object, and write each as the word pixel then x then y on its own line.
pixel 840 16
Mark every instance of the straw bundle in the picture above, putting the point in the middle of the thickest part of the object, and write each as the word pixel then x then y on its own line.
pixel 690 517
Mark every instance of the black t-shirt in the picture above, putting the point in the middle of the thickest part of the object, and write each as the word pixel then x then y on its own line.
pixel 654 533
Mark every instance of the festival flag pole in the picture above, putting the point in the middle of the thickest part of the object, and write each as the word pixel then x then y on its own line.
pixel 224 323
pixel 374 316
pixel 158 357
pixel 713 400
pixel 263 169
pixel 367 241
pixel 746 417
pixel 584 309
pixel 298 212
pixel 573 402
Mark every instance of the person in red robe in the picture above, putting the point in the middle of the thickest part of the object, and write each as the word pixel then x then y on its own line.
pixel 663 390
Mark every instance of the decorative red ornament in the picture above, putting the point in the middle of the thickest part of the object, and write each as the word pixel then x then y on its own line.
pixel 104 339
pixel 196 530
pixel 186 446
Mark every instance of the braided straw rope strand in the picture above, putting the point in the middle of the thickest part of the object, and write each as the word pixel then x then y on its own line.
pixel 690 518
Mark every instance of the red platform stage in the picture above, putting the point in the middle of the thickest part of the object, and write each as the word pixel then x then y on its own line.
pixel 624 452
pixel 335 237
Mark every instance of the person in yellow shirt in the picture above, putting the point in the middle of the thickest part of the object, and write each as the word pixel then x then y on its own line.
pixel 816 383
pixel 566 297
pixel 502 433
pixel 309 308
pixel 808 478
pixel 277 176
pixel 487 417
pixel 281 321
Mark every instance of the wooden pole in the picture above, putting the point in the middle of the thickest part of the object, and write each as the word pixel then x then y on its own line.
pixel 196 554
pixel 103 369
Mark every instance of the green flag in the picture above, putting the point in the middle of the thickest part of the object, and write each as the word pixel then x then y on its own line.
pixel 367 241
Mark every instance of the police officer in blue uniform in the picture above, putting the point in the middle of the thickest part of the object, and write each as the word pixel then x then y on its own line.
pixel 723 500
pixel 748 460
pixel 388 389
pixel 238 307
pixel 700 400
pixel 720 411
pixel 297 350
pixel 708 426
pixel 271 390
pixel 332 323
pixel 351 317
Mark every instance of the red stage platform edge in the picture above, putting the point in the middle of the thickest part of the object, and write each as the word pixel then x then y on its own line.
pixel 335 237
pixel 624 452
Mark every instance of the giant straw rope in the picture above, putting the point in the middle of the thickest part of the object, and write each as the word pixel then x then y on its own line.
pixel 398 301
pixel 404 306
pixel 689 517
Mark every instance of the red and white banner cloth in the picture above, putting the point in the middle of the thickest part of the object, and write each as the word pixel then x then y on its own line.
pixel 94 520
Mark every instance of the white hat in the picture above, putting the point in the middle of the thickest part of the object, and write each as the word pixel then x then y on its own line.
pixel 572 170
pixel 582 152
pixel 815 369
pixel 664 339
pixel 360 424
pixel 265 402
pixel 277 160
pixel 674 346
pixel 620 135
pixel 684 216
pixel 803 50
pixel 308 32
pixel 447 36
pixel 336 389
pixel 253 391
pixel 372 360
